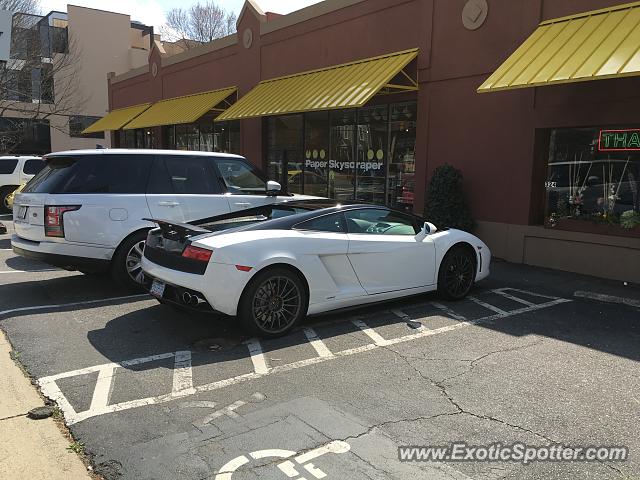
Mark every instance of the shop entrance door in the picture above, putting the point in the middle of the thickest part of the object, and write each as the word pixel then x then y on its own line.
pixel 285 158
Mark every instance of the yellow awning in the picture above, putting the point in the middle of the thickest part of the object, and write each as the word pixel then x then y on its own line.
pixel 116 119
pixel 178 110
pixel 588 46
pixel 342 86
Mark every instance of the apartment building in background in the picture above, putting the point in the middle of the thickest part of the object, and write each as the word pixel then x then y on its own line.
pixel 96 42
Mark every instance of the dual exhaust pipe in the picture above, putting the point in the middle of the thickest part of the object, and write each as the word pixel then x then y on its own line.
pixel 192 300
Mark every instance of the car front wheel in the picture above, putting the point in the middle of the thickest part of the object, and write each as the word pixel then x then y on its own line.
pixel 273 303
pixel 457 273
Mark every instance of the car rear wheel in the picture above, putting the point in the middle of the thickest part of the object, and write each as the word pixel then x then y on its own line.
pixel 4 199
pixel 126 265
pixel 457 273
pixel 273 303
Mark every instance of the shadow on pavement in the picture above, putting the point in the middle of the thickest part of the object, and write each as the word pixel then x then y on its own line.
pixel 56 291
pixel 216 338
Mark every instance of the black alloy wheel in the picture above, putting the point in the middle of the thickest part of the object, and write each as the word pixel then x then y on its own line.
pixel 273 303
pixel 5 208
pixel 126 264
pixel 457 274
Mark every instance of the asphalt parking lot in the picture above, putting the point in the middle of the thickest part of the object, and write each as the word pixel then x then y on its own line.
pixel 157 394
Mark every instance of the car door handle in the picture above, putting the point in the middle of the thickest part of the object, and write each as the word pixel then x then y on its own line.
pixel 169 204
pixel 240 204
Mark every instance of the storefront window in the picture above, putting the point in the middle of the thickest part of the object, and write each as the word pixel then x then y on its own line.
pixel 316 154
pixel 366 154
pixel 594 175
pixel 226 137
pixel 284 151
pixel 370 171
pixel 138 138
pixel 170 136
pixel 182 140
pixel 342 154
pixel 402 155
pixel 206 136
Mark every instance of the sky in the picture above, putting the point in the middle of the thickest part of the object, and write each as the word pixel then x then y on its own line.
pixel 151 12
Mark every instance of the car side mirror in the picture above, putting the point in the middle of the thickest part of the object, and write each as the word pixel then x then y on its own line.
pixel 273 188
pixel 429 228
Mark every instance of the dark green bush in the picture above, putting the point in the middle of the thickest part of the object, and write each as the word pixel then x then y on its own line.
pixel 446 203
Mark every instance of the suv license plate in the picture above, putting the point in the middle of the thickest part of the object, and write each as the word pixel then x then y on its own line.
pixel 157 289
pixel 22 213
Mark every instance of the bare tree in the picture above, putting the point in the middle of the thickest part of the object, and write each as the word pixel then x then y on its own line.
pixel 199 24
pixel 39 83
pixel 22 6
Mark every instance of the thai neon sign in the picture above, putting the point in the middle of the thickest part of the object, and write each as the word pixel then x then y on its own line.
pixel 619 140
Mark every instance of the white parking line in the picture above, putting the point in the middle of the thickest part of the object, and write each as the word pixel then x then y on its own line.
pixel 261 369
pixel 182 372
pixel 370 332
pixel 500 291
pixel 448 311
pixel 32 271
pixel 320 347
pixel 102 392
pixel 601 297
pixel 488 306
pixel 73 304
pixel 260 365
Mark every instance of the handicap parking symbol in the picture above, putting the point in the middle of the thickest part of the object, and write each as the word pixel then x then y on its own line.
pixel 291 468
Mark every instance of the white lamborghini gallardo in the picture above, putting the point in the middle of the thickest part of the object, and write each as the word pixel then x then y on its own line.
pixel 272 265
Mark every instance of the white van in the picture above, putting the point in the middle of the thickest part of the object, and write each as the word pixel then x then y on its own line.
pixel 85 210
pixel 15 171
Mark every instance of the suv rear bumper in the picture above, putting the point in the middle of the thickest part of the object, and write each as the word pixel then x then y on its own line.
pixel 64 255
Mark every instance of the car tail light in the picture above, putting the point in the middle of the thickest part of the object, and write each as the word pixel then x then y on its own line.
pixel 197 253
pixel 53 221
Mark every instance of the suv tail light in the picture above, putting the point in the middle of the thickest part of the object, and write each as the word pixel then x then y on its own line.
pixel 53 222
pixel 197 253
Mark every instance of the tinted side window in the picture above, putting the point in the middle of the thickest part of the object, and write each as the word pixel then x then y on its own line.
pixel 7 166
pixel 31 167
pixel 191 175
pixel 329 223
pixel 240 177
pixel 93 174
pixel 378 221
pixel 159 181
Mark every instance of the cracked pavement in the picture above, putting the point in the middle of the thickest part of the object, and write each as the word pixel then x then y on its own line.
pixel 563 374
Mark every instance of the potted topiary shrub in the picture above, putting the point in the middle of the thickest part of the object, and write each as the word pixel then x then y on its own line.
pixel 446 203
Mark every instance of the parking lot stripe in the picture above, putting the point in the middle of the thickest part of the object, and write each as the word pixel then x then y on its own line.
pixel 448 311
pixel 257 357
pixel 73 304
pixel 97 368
pixel 102 391
pixel 370 332
pixel 488 306
pixel 4 272
pixel 320 347
pixel 500 291
pixel 51 390
pixel 182 372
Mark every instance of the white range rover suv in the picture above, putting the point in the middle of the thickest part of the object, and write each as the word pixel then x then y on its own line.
pixel 85 210
pixel 15 171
